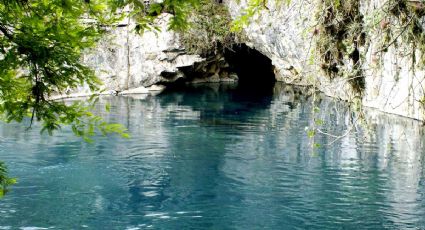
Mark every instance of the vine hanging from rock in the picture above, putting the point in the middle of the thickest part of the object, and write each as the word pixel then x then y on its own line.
pixel 402 23
pixel 339 37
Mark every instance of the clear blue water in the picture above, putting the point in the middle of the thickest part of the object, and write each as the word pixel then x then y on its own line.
pixel 218 158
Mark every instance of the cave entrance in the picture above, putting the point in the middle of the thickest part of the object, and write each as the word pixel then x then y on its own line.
pixel 254 69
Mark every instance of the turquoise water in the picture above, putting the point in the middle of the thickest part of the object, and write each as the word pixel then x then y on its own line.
pixel 219 158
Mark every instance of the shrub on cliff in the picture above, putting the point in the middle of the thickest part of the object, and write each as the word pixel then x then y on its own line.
pixel 208 29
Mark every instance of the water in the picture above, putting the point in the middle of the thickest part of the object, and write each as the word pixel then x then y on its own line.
pixel 219 158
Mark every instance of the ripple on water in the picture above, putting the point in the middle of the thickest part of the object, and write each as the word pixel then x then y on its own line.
pixel 216 162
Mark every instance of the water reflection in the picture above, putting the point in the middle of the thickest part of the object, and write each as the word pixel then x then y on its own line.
pixel 220 157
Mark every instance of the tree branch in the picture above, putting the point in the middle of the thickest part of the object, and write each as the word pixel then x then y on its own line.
pixel 5 32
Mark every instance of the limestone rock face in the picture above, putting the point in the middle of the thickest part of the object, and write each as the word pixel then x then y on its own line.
pixel 393 85
pixel 279 34
pixel 125 60
pixel 284 34
pixel 129 63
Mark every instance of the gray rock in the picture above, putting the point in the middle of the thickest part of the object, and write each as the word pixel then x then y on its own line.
pixel 124 60
pixel 282 34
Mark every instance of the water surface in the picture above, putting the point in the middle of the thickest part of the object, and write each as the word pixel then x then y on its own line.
pixel 215 157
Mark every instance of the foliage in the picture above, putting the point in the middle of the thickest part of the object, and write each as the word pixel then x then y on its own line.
pixel 145 14
pixel 41 46
pixel 41 43
pixel 5 181
pixel 401 26
pixel 401 22
pixel 209 28
pixel 254 7
pixel 339 36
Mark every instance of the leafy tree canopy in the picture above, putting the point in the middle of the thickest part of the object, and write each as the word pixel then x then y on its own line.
pixel 41 43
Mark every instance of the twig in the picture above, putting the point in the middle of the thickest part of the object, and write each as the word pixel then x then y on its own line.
pixel 395 39
pixel 338 137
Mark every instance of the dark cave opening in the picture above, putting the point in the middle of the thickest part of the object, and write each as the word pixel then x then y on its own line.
pixel 255 72
pixel 253 68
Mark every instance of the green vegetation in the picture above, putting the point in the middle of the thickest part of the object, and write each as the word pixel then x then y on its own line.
pixel 254 6
pixel 41 43
pixel 5 181
pixel 339 36
pixel 208 29
pixel 407 27
pixel 401 26
pixel 40 47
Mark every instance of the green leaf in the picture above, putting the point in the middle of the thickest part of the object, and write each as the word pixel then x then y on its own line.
pixel 5 180
pixel 318 122
pixel 311 133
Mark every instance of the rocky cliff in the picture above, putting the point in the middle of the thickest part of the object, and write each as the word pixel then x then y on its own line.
pixel 128 62
pixel 286 32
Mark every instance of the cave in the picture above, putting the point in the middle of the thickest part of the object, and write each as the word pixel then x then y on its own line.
pixel 253 68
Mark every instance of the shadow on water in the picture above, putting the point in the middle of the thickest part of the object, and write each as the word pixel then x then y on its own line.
pixel 217 157
pixel 222 104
